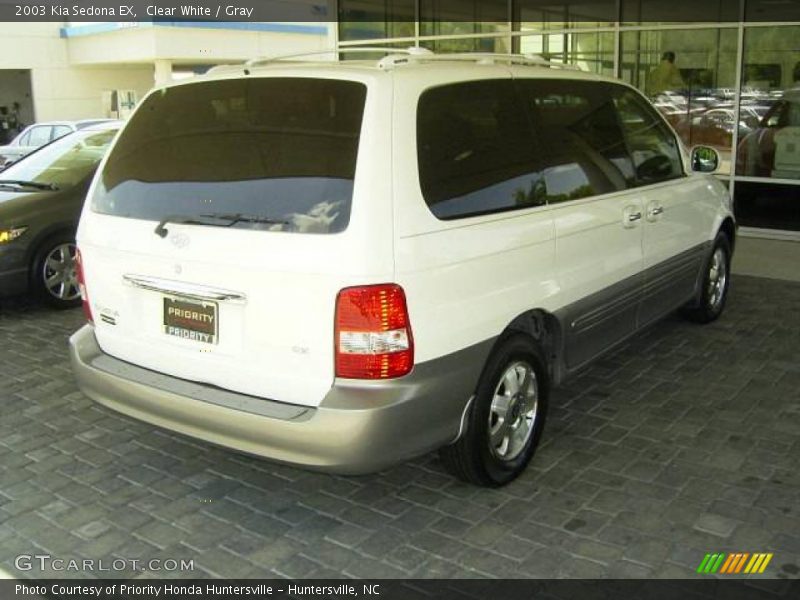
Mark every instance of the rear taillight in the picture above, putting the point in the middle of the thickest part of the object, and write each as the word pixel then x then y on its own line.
pixel 87 309
pixel 373 333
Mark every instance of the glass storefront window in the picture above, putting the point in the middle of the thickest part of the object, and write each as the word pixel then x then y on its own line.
pixel 770 10
pixel 767 205
pixel 688 72
pixel 563 14
pixel 690 76
pixel 348 52
pixel 590 51
pixel 771 93
pixel 499 44
pixel 376 20
pixel 652 12
pixel 460 17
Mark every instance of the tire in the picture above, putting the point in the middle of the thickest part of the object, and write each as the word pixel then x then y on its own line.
pixel 713 293
pixel 53 272
pixel 493 451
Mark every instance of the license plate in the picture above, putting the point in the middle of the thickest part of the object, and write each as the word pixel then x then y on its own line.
pixel 191 319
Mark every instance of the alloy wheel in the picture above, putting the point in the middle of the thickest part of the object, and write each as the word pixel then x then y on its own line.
pixel 59 272
pixel 512 414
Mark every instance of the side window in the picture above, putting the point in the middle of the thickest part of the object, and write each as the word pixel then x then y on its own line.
pixel 475 151
pixel 25 139
pixel 59 131
pixel 652 146
pixel 39 136
pixel 576 125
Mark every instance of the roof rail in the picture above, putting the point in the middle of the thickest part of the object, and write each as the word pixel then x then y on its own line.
pixel 401 56
pixel 411 51
pixel 396 59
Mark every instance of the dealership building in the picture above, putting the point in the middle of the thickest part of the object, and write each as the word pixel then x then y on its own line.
pixel 725 73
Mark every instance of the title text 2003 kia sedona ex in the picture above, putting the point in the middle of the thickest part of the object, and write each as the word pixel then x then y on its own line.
pixel 346 265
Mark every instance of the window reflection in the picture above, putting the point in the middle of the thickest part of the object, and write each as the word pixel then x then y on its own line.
pixel 590 51
pixel 679 11
pixel 561 14
pixel 65 162
pixel 475 151
pixel 459 17
pixel 368 20
pixel 499 44
pixel 279 152
pixel 690 77
pixel 771 95
pixel 599 139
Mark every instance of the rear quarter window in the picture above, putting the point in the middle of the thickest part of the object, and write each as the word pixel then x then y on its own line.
pixel 280 149
pixel 474 150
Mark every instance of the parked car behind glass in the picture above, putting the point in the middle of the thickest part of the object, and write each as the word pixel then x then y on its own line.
pixel 772 149
pixel 37 135
pixel 40 202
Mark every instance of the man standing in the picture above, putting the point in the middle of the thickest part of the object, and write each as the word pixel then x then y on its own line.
pixel 665 77
pixel 5 126
pixel 15 124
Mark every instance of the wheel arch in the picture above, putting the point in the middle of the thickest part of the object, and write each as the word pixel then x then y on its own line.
pixel 728 227
pixel 545 329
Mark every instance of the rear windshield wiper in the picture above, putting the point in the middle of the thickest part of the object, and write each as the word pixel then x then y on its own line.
pixel 30 184
pixel 242 218
pixel 214 220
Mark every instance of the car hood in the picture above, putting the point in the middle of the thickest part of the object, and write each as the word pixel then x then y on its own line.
pixel 16 206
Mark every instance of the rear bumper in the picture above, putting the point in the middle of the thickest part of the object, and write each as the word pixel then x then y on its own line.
pixel 360 427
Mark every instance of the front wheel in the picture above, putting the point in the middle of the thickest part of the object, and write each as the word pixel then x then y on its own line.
pixel 714 288
pixel 506 418
pixel 54 272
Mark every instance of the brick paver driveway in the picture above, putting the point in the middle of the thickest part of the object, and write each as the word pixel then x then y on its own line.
pixel 684 441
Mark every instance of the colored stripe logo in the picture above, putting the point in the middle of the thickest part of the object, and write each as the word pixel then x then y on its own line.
pixel 734 563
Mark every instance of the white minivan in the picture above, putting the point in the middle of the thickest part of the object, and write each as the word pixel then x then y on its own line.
pixel 345 265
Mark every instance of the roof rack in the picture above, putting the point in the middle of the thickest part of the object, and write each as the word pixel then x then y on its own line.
pixel 395 59
pixel 402 56
pixel 411 51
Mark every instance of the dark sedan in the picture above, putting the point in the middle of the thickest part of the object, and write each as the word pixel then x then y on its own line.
pixel 41 197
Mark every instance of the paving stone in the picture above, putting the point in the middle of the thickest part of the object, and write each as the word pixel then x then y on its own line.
pixel 715 524
pixel 485 533
pixel 93 529
pixel 348 535
pixel 681 442
pixel 407 558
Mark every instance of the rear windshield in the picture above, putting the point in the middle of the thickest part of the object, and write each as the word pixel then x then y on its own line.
pixel 278 152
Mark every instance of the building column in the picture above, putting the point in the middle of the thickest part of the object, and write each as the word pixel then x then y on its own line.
pixel 163 71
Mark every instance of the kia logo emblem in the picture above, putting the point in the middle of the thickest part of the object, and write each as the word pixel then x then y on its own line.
pixel 179 240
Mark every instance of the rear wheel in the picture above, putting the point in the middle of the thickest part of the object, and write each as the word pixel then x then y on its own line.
pixel 714 288
pixel 506 418
pixel 54 272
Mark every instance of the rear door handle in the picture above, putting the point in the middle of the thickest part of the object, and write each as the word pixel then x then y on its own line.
pixel 634 216
pixel 653 212
pixel 182 288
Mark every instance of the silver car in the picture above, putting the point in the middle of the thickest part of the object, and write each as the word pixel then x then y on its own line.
pixel 37 135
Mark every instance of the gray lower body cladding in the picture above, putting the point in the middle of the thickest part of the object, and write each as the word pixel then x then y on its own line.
pixel 598 322
pixel 360 426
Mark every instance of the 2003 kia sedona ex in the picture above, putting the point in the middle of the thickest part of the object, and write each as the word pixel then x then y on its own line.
pixel 345 265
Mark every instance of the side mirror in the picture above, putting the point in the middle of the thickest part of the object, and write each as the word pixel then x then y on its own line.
pixel 704 159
